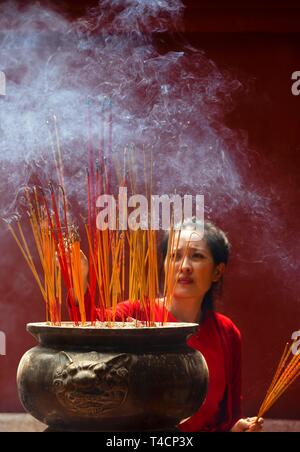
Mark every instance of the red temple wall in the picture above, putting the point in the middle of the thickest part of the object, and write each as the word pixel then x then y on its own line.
pixel 260 295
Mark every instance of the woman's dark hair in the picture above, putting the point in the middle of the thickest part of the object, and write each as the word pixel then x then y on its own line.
pixel 219 247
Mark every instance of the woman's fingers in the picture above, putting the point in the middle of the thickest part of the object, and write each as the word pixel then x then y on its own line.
pixel 244 425
pixel 254 419
pixel 250 424
pixel 255 428
pixel 241 426
pixel 256 425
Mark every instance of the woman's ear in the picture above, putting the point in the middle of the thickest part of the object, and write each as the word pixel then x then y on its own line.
pixel 218 272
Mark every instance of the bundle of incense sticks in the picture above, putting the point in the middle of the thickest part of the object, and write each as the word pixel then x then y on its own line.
pixel 50 285
pixel 287 372
pixel 98 181
pixel 122 264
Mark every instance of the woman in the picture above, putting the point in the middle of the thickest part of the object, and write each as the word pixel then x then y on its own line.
pixel 201 270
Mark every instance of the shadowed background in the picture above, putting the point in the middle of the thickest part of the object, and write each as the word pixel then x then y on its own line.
pixel 250 177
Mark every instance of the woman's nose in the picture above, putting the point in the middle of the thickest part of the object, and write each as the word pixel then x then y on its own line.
pixel 186 265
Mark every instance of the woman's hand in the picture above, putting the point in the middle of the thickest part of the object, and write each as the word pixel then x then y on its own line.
pixel 251 424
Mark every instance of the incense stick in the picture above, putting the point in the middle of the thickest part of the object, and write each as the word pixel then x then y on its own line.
pixel 286 373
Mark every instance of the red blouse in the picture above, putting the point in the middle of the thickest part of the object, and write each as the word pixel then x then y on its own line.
pixel 219 340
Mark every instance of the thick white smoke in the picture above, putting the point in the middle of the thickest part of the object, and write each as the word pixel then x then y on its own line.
pixel 170 102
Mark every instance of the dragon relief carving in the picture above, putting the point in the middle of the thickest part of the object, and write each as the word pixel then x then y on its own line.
pixel 92 388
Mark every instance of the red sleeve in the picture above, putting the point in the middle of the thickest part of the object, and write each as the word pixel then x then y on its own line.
pixel 236 376
pixel 124 310
pixel 232 343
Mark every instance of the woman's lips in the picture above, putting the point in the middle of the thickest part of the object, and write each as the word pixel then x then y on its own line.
pixel 185 281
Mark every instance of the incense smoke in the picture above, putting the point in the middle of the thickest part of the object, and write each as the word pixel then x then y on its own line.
pixel 171 102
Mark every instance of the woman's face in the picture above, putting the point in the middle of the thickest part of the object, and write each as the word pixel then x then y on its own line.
pixel 197 271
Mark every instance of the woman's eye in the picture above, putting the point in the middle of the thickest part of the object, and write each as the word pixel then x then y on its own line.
pixel 198 256
pixel 176 256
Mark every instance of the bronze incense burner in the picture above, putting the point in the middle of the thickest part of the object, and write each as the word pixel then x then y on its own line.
pixel 119 378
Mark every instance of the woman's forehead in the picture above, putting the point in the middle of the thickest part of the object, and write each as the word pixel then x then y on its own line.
pixel 190 238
